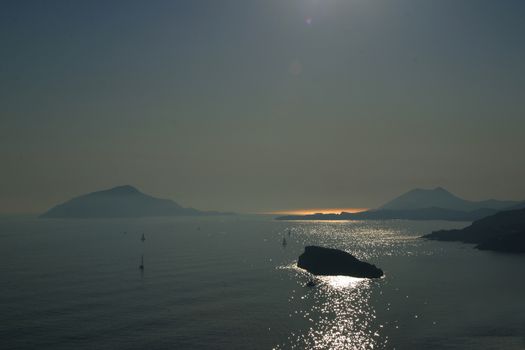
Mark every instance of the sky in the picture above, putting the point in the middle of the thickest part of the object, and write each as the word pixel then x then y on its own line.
pixel 258 106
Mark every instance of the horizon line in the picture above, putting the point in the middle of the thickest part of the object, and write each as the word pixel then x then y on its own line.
pixel 310 211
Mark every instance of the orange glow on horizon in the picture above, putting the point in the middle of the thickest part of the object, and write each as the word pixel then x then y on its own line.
pixel 318 210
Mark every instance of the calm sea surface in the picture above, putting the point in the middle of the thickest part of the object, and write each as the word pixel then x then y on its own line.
pixel 228 283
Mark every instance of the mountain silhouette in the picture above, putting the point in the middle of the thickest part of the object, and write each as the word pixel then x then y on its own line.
pixel 520 205
pixel 503 231
pixel 441 198
pixel 121 201
pixel 422 204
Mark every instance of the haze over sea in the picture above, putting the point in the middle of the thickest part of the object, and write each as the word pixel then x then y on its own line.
pixel 228 283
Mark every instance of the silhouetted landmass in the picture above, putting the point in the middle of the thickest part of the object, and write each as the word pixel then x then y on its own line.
pixel 441 198
pixel 121 201
pixel 520 205
pixel 420 204
pixel 504 231
pixel 334 262
pixel 415 214
pixel 511 243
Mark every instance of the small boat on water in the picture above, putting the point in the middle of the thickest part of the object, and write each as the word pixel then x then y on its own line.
pixel 284 242
pixel 143 238
pixel 312 283
pixel 142 263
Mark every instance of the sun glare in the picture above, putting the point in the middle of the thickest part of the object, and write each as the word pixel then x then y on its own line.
pixel 318 210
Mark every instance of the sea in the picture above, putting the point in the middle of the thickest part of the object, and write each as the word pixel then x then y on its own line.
pixel 230 283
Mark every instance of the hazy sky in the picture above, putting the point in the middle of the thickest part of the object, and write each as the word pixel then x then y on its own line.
pixel 261 105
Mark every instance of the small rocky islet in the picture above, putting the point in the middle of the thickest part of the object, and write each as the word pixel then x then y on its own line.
pixel 333 262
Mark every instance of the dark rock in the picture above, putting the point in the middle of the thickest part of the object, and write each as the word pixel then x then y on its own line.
pixel 334 262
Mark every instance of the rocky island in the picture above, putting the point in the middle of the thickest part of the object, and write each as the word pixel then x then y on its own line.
pixel 503 232
pixel 334 262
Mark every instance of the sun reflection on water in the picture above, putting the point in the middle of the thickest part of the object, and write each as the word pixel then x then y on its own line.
pixel 340 282
pixel 338 314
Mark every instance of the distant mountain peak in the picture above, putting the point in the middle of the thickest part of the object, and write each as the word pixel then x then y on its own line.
pixel 438 189
pixel 441 189
pixel 439 197
pixel 124 189
pixel 122 201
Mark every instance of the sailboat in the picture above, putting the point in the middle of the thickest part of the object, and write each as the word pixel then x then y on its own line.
pixel 142 263
pixel 143 238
